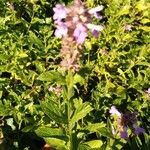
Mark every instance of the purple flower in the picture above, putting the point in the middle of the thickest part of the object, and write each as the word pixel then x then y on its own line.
pixel 95 11
pixel 138 130
pixel 95 29
pixel 95 33
pixel 114 111
pixel 60 12
pixel 124 133
pixel 80 33
pixel 61 30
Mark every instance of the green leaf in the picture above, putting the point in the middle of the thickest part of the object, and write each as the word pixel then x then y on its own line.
pixel 28 128
pixel 81 112
pixel 46 131
pixel 94 127
pixel 124 10
pixel 5 109
pixel 83 146
pixel 56 143
pixel 51 109
pixel 10 122
pixel 145 28
pixel 79 79
pixel 39 66
pixel 4 57
pixel 35 40
pixel 105 132
pixel 94 144
pixel 52 76
pixel 141 5
pixel 145 20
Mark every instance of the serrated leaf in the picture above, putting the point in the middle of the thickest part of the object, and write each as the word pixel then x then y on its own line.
pixel 22 55
pixel 145 20
pixel 35 40
pixel 78 79
pixel 56 143
pixel 5 109
pixel 94 144
pixel 4 57
pixel 145 28
pixel 81 112
pixel 46 131
pixel 94 127
pixel 124 10
pixel 52 76
pixel 105 132
pixel 51 109
pixel 83 146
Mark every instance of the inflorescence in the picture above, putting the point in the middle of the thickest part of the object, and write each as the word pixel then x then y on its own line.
pixel 72 25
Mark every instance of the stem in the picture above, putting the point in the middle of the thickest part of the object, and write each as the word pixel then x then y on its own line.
pixel 69 95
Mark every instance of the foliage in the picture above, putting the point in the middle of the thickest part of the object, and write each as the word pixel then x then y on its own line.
pixel 115 70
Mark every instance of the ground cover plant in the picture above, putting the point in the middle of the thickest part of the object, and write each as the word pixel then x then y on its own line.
pixel 74 75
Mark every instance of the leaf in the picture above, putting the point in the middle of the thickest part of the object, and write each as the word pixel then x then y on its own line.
pixel 145 21
pixel 94 127
pixel 39 66
pixel 105 132
pixel 5 109
pixel 22 54
pixel 141 5
pixel 10 122
pixel 83 146
pixel 81 112
pixel 78 79
pixel 28 128
pixel 51 109
pixel 4 57
pixel 35 40
pixel 46 131
pixel 124 10
pixel 52 76
pixel 142 63
pixel 1 93
pixel 56 143
pixel 94 144
pixel 145 28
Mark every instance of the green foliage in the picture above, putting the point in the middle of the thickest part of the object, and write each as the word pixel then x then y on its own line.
pixel 115 70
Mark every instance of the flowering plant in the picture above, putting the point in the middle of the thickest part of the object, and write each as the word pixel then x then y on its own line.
pixel 124 121
pixel 59 77
pixel 72 25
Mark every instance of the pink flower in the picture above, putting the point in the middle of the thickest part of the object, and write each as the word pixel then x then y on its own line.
pixel 61 30
pixel 148 91
pixel 57 90
pixel 114 111
pixel 128 27
pixel 80 33
pixel 60 12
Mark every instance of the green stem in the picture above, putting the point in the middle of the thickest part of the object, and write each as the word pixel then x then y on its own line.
pixel 69 90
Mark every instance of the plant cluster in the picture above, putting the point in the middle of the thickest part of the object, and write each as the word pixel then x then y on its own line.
pixel 67 67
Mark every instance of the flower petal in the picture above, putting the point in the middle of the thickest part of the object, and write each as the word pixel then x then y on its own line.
pixel 114 111
pixel 124 134
pixel 96 9
pixel 138 130
pixel 95 27
pixel 80 33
